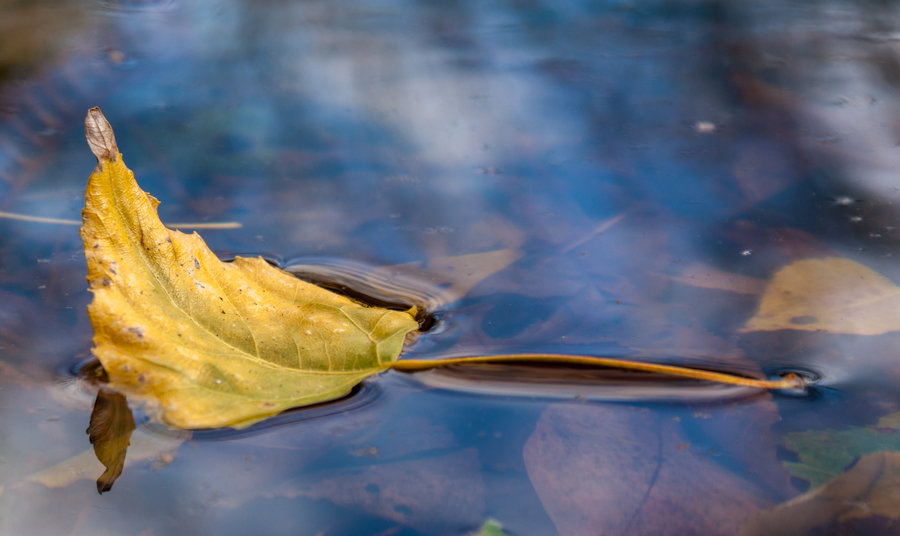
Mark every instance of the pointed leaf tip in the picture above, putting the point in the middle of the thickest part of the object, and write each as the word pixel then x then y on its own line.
pixel 100 137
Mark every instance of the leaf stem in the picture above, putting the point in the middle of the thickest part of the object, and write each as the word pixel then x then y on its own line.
pixel 788 381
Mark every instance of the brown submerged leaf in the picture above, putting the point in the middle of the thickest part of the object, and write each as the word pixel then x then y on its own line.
pixel 831 294
pixel 863 500
pixel 207 343
pixel 611 469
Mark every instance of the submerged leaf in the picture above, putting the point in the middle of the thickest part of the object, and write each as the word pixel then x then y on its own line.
pixel 832 294
pixel 825 454
pixel 863 500
pixel 700 275
pixel 207 343
pixel 624 470
pixel 460 273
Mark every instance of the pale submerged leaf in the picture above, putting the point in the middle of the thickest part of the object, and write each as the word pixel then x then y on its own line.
pixel 831 294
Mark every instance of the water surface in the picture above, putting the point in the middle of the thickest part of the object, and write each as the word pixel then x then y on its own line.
pixel 619 152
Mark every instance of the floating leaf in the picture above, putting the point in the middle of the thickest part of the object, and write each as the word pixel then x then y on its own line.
pixel 208 343
pixel 211 344
pixel 831 294
pixel 863 500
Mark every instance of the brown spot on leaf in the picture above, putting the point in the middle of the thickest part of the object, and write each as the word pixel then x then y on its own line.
pixel 137 331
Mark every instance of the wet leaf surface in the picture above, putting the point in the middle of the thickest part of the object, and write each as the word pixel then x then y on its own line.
pixel 208 343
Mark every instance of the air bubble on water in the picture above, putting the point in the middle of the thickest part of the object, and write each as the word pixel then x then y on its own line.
pixel 844 201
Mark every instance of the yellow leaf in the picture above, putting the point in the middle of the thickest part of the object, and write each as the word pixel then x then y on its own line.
pixel 831 294
pixel 208 343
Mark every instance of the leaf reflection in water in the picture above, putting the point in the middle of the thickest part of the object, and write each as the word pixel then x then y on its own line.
pixel 110 433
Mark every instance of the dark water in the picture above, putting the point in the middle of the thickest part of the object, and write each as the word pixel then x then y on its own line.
pixel 613 150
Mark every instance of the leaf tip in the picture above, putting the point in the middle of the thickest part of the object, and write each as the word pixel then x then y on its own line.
pixel 100 137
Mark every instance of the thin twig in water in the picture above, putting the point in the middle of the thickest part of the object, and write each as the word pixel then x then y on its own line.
pixel 788 381
pixel 598 230
pixel 62 221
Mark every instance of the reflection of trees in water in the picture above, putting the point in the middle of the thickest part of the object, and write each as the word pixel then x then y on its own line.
pixel 34 33
pixel 833 68
pixel 388 133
